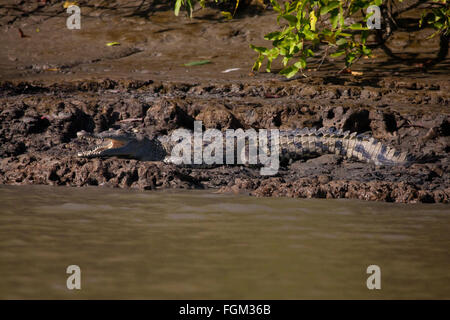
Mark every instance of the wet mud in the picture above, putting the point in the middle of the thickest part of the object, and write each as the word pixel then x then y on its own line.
pixel 46 97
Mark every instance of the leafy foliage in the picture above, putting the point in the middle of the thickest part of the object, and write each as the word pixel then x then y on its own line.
pixel 309 23
pixel 339 24
pixel 438 18
pixel 301 34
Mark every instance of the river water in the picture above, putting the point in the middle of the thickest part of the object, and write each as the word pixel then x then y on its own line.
pixel 188 245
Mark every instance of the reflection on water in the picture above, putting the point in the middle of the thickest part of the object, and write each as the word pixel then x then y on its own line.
pixel 157 245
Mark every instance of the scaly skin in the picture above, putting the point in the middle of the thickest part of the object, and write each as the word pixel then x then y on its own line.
pixel 294 144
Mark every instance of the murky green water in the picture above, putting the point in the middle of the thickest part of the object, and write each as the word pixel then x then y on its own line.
pixel 204 245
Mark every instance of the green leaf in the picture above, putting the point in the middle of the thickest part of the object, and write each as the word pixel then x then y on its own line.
pixel 327 32
pixel 269 65
pixel 189 7
pixel 301 64
pixel 291 19
pixel 332 5
pixel 312 20
pixel 178 4
pixel 290 71
pixel 275 6
pixel 196 63
pixel 421 19
pixel 437 25
pixel 341 41
pixel 366 51
pixel 227 15
pixel 272 36
pixel 350 58
pixel 273 53
pixel 291 47
pixel 364 36
pixel 309 53
pixel 337 54
pixel 260 50
pixel 309 35
pixel 357 26
pixel 341 17
pixel 334 18
pixel 258 63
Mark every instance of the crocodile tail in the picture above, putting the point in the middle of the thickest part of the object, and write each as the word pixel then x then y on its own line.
pixel 348 145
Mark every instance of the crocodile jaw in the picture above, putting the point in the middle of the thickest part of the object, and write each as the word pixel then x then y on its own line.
pixel 102 145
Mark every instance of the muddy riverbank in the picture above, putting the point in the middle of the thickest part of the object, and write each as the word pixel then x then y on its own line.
pixel 39 144
pixel 56 82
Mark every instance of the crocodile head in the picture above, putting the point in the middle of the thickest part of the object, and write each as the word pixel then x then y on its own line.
pixel 107 143
pixel 118 143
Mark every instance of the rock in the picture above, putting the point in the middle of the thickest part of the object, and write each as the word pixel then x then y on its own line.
pixel 323 179
pixel 167 115
pixel 326 159
pixel 218 118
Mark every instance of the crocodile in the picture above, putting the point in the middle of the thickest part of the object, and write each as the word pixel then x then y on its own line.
pixel 293 145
